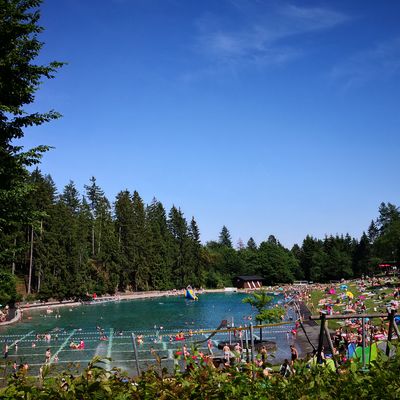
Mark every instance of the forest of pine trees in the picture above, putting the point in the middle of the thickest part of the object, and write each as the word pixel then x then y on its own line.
pixel 82 243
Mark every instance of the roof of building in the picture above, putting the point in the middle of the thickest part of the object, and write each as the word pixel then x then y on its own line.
pixel 250 278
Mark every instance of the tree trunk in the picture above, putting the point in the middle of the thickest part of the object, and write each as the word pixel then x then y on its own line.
pixel 13 261
pixel 93 240
pixel 40 269
pixel 30 263
pixel 99 240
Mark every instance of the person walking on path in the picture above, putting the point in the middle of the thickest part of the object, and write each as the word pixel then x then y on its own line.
pixel 238 353
pixel 264 354
pixel 227 353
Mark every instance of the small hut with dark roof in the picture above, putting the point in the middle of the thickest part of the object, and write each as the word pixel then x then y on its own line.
pixel 248 282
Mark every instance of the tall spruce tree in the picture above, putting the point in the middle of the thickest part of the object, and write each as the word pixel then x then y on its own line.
pixel 160 247
pixel 41 200
pixel 362 256
pixel 125 233
pixel 99 206
pixel 140 244
pixel 178 227
pixel 225 237
pixel 196 254
pixel 251 244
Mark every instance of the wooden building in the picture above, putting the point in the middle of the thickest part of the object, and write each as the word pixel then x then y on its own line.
pixel 248 282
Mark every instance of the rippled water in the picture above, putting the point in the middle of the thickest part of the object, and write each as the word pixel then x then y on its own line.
pixel 155 318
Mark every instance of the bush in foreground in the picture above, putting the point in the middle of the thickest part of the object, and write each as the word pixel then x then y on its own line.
pixel 205 382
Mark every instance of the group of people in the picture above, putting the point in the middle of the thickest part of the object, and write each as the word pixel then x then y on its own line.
pixel 233 357
pixel 21 368
pixel 102 334
pixel 77 346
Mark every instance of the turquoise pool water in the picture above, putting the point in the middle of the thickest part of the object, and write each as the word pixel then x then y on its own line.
pixel 156 319
pixel 173 312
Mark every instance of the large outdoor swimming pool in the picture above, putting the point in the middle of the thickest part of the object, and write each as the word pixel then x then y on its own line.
pixel 156 319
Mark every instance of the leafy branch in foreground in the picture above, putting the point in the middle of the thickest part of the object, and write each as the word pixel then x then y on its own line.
pixel 203 381
pixel 20 78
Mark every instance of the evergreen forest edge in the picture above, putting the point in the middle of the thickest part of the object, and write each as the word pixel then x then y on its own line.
pixel 84 244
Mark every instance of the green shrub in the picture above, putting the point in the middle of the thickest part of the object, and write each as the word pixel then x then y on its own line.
pixel 8 290
pixel 381 381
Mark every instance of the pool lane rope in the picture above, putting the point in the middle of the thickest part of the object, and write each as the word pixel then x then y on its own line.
pixel 62 346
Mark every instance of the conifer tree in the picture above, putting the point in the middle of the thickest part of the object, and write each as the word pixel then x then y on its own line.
pixel 251 244
pixel 361 257
pixel 160 247
pixel 42 200
pixel 99 206
pixel 177 225
pixel 196 256
pixel 125 233
pixel 225 237
pixel 140 244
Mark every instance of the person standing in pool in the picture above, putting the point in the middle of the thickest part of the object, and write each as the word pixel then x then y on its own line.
pixel 294 356
pixel 210 346
pixel 48 355
pixel 227 353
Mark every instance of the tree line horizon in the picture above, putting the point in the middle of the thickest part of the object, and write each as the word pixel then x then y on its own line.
pixel 83 243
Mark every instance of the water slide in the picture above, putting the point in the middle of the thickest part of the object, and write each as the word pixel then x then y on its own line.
pixel 190 294
pixel 222 325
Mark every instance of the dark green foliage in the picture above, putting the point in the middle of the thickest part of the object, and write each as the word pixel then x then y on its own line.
pixel 181 243
pixel 267 315
pixel 205 382
pixel 20 78
pixel 251 244
pixel 276 263
pixel 8 292
pixel 83 245
pixel 160 247
pixel 225 237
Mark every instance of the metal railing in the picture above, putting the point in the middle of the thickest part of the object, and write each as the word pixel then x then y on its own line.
pixel 324 331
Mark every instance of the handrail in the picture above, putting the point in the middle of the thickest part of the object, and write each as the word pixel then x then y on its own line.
pixel 201 331
pixel 390 316
pixel 349 316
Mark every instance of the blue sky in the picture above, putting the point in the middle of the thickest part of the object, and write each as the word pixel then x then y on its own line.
pixel 269 117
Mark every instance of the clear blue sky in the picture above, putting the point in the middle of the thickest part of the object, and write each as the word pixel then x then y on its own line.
pixel 269 117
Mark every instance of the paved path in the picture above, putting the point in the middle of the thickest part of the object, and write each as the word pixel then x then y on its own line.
pixel 312 329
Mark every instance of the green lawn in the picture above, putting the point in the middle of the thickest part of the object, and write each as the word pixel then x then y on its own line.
pixel 373 304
